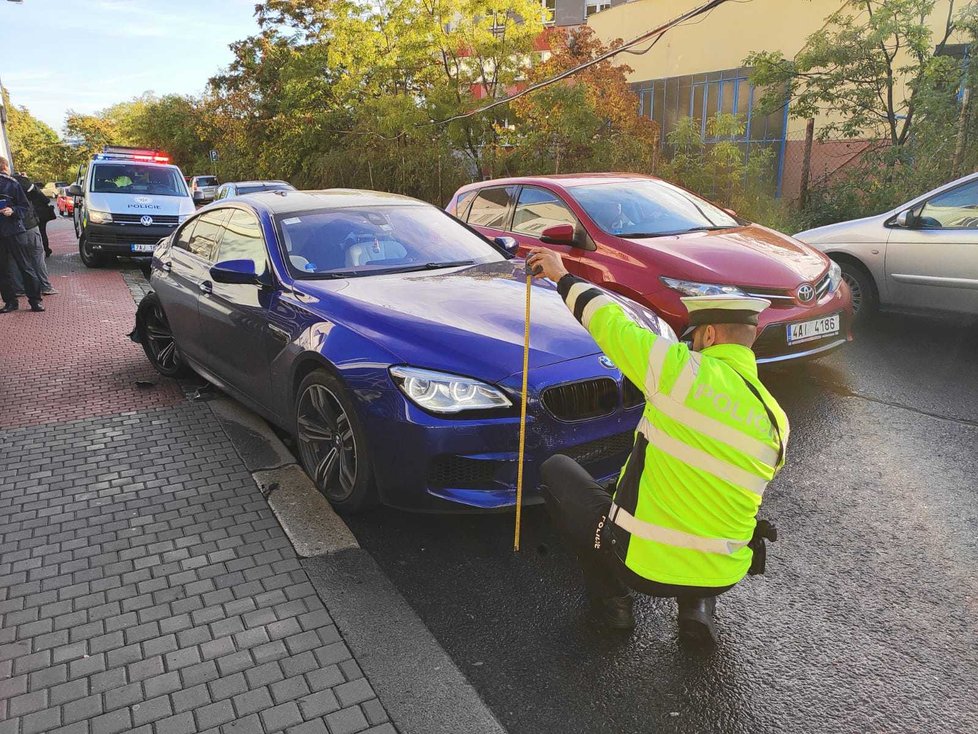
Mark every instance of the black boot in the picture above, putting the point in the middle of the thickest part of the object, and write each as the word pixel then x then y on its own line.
pixel 696 624
pixel 8 307
pixel 613 613
pixel 37 306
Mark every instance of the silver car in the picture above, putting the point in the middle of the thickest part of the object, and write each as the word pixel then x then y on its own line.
pixel 922 255
pixel 204 188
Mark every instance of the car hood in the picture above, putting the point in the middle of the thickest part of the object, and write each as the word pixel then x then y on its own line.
pixel 140 204
pixel 466 321
pixel 746 256
pixel 867 229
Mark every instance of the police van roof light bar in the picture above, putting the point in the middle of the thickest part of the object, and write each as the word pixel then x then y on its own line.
pixel 119 152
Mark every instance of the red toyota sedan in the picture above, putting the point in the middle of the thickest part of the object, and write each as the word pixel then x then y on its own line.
pixel 655 242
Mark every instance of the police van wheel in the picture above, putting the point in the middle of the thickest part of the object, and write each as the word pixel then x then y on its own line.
pixel 332 443
pixel 89 257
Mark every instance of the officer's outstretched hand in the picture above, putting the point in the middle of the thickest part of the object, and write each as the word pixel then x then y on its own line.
pixel 546 263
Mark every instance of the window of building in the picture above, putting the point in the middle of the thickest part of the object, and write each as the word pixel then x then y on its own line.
pixel 537 209
pixel 596 6
pixel 701 96
pixel 549 11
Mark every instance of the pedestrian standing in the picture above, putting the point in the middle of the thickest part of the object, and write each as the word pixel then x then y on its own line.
pixel 14 245
pixel 682 521
pixel 33 221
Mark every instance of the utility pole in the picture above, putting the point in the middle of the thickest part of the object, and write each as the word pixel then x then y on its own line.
pixel 962 136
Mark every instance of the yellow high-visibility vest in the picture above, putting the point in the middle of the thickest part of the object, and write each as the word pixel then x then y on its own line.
pixel 686 503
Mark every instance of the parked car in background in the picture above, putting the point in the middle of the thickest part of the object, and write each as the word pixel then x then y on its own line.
pixel 203 188
pixel 655 242
pixel 52 188
pixel 65 202
pixel 922 255
pixel 237 188
pixel 388 339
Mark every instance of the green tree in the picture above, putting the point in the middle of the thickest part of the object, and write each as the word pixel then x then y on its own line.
pixel 34 146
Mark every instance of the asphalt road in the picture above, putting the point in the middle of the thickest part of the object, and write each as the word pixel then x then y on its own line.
pixel 864 623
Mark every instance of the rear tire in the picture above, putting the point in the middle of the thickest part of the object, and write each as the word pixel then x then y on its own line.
pixel 865 301
pixel 332 443
pixel 157 338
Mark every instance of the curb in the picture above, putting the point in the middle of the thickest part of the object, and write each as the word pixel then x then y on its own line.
pixel 303 512
pixel 421 687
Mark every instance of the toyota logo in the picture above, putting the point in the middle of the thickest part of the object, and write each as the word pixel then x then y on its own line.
pixel 805 292
pixel 146 220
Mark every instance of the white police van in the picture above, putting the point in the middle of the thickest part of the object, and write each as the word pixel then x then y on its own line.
pixel 127 200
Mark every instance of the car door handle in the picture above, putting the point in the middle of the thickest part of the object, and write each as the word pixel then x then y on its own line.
pixel 166 267
pixel 206 286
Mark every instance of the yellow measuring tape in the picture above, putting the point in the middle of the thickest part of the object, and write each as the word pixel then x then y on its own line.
pixel 522 449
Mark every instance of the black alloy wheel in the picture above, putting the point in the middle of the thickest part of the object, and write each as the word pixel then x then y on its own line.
pixel 331 443
pixel 157 339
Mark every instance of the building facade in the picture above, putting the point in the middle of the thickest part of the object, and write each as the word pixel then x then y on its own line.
pixel 696 70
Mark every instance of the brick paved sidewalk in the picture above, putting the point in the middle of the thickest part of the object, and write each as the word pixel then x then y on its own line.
pixel 145 586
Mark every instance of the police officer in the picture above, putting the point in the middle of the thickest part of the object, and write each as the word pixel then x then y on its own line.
pixel 14 244
pixel 682 520
pixel 36 245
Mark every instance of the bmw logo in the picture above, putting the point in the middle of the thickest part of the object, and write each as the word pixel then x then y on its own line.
pixel 606 362
pixel 806 292
pixel 146 220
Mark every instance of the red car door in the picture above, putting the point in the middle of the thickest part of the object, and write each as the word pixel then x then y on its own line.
pixel 538 210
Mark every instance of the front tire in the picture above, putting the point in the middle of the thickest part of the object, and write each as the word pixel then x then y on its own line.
pixel 332 443
pixel 863 289
pixel 89 258
pixel 157 338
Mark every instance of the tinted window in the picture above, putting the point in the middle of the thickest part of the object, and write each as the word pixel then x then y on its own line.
pixel 242 240
pixel 463 203
pixel 491 207
pixel 645 208
pixel 538 209
pixel 207 180
pixel 263 187
pixel 361 241
pixel 207 234
pixel 116 178
pixel 182 238
pixel 955 209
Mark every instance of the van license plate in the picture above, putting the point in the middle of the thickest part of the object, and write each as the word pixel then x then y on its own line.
pixel 143 248
pixel 806 331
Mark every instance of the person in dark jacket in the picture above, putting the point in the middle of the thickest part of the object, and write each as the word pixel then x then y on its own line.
pixel 14 244
pixel 33 223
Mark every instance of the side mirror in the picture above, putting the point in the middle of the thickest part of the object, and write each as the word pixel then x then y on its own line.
pixel 559 234
pixel 507 243
pixel 237 272
pixel 905 219
pixel 75 190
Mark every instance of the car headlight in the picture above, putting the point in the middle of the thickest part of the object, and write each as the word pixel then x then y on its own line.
pixel 181 218
pixel 443 393
pixel 835 276
pixel 97 217
pixel 691 288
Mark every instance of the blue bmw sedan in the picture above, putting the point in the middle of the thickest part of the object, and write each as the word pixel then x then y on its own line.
pixel 387 337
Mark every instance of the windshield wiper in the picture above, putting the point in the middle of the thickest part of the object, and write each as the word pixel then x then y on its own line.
pixel 641 235
pixel 450 264
pixel 709 229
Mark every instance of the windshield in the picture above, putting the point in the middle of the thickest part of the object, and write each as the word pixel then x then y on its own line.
pixel 357 242
pixel 263 187
pixel 207 180
pixel 137 179
pixel 644 208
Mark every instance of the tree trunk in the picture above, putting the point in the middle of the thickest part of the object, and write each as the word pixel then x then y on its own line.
pixel 959 146
pixel 806 163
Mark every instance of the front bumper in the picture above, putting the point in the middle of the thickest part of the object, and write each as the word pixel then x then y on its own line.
pixel 118 239
pixel 428 463
pixel 771 345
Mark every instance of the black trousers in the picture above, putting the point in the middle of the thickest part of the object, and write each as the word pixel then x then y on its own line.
pixel 14 253
pixel 43 226
pixel 577 506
